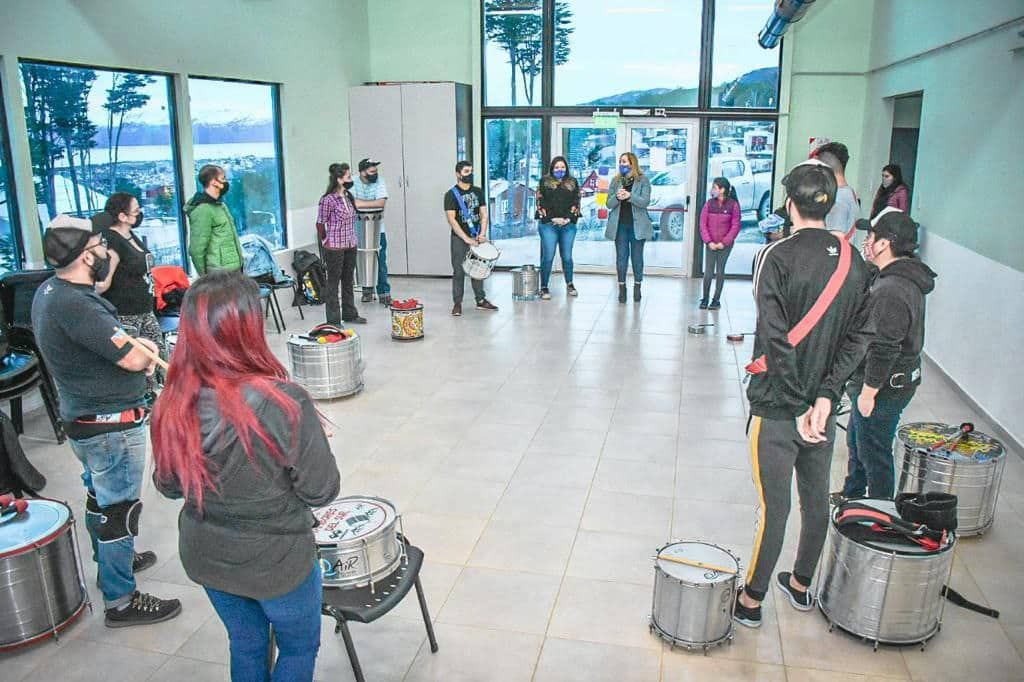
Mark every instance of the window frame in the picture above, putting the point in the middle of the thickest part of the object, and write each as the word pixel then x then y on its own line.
pixel 708 49
pixel 275 103
pixel 13 214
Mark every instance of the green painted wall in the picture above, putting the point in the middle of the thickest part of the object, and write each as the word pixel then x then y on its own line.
pixel 315 48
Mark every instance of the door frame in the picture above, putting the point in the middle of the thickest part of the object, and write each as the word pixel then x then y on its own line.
pixel 623 143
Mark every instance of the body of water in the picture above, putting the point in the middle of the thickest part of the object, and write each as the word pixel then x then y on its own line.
pixel 201 152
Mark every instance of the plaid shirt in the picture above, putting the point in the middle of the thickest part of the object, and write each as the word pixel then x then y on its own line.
pixel 337 214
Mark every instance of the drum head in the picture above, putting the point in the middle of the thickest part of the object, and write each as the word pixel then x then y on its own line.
pixel 703 552
pixel 927 434
pixel 485 251
pixel 42 519
pixel 351 518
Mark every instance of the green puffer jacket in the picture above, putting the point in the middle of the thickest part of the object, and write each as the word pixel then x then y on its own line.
pixel 212 238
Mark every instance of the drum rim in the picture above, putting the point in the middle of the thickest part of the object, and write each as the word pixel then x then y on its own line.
pixel 46 539
pixel 46 634
pixel 678 641
pixel 682 581
pixel 950 543
pixel 949 430
pixel 876 638
pixel 382 529
pixel 491 247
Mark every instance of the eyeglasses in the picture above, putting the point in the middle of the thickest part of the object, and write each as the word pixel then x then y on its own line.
pixel 102 242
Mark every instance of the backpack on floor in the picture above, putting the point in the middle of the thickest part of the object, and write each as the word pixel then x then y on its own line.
pixel 311 275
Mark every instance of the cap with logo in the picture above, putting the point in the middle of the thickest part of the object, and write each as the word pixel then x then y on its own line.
pixel 65 239
pixel 367 163
pixel 893 224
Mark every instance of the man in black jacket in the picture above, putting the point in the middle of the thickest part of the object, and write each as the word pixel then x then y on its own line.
pixel 883 385
pixel 792 426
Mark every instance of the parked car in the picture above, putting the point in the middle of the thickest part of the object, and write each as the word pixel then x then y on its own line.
pixel 669 200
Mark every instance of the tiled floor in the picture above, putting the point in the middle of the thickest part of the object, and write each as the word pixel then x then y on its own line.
pixel 540 455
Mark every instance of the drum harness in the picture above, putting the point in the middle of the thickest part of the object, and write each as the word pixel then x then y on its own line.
pixel 471 223
pixel 923 519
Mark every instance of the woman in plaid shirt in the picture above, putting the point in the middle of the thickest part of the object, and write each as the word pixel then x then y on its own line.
pixel 335 227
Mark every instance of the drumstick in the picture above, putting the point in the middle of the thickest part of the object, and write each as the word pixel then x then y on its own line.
pixel 146 351
pixel 697 564
pixel 953 441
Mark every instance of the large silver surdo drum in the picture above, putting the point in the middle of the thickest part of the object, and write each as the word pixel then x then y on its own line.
pixel 525 283
pixel 972 470
pixel 358 541
pixel 693 601
pixel 368 228
pixel 886 592
pixel 327 370
pixel 41 586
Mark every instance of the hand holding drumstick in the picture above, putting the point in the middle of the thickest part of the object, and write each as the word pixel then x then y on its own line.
pixel 147 347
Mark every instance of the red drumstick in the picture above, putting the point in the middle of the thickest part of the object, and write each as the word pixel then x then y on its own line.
pixel 951 442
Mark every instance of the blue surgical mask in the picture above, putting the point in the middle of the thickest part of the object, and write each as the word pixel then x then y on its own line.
pixel 625 169
pixel 559 174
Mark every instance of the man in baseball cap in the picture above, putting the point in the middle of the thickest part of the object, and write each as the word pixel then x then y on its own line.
pixel 101 381
pixel 883 385
pixel 371 195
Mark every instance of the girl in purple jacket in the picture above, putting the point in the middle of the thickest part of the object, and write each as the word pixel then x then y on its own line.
pixel 719 226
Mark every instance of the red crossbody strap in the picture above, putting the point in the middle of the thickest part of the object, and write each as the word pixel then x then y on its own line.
pixel 813 316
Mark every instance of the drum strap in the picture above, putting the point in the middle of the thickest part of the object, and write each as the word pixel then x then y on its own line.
pixel 963 602
pixel 467 217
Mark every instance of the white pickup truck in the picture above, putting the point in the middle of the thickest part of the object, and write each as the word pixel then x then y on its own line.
pixel 669 200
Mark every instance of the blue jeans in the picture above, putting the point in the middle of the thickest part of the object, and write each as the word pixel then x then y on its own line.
pixel 296 620
pixel 112 468
pixel 550 237
pixel 383 286
pixel 628 247
pixel 871 470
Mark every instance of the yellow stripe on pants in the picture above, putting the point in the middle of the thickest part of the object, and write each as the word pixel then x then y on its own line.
pixel 755 433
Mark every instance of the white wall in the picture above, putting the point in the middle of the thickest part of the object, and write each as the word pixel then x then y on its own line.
pixel 315 48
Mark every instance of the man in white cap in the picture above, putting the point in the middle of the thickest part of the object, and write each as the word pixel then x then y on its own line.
pixel 101 382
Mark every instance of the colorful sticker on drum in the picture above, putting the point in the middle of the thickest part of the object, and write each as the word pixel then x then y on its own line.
pixel 926 434
pixel 349 519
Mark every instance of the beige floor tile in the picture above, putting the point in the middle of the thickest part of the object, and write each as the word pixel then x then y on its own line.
pixel 718 522
pixel 177 669
pixel 990 655
pixel 692 667
pixel 495 466
pixel 565 659
pixel 628 513
pixel 77 660
pixel 458 497
pixel 539 468
pixel 513 600
pixel 437 580
pixel 715 484
pixel 658 423
pixel 604 612
pixel 578 417
pixel 386 649
pixel 579 442
pixel 809 675
pixel 694 429
pixel 209 643
pixel 468 654
pixel 587 397
pixel 639 447
pixel 533 548
pixel 726 454
pixel 448 539
pixel 542 505
pixel 617 557
pixel 624 476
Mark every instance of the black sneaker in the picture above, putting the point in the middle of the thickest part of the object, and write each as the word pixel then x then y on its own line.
pixel 747 616
pixel 484 304
pixel 356 320
pixel 143 609
pixel 714 305
pixel 703 304
pixel 801 601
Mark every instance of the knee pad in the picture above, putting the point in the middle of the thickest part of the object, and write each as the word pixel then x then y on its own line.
pixel 119 521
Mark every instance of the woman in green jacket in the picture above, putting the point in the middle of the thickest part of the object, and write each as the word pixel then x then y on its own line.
pixel 212 238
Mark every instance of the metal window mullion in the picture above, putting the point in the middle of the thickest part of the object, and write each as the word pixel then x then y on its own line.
pixel 707 39
pixel 547 88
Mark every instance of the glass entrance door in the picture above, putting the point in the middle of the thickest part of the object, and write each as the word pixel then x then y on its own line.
pixel 666 151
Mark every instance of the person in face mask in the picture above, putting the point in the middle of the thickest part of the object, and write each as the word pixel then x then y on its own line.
pixel 101 379
pixel 892 192
pixel 558 209
pixel 628 223
pixel 212 238
pixel 371 195
pixel 719 227
pixel 884 384
pixel 335 227
pixel 129 284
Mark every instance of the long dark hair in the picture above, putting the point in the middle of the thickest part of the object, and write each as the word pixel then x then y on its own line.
pixel 726 186
pixel 221 346
pixel 567 182
pixel 336 171
pixel 883 193
pixel 118 203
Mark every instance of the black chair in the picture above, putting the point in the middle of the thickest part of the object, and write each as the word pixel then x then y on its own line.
pixel 365 606
pixel 266 295
pixel 20 373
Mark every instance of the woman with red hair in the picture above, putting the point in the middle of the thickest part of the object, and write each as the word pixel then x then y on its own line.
pixel 246 450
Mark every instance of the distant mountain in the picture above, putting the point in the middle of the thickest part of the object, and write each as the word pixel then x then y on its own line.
pixel 655 97
pixel 135 134
pixel 757 88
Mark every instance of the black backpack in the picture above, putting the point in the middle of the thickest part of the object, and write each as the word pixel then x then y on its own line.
pixel 311 275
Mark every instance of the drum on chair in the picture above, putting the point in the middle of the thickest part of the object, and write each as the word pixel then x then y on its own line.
pixel 972 470
pixel 357 538
pixel 41 585
pixel 480 260
pixel 883 591
pixel 327 370
pixel 693 605
pixel 369 225
pixel 526 283
pixel 407 323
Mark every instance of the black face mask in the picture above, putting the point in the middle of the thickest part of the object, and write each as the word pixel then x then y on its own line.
pixel 371 178
pixel 225 186
pixel 100 267
pixel 138 219
pixel 348 184
pixel 466 179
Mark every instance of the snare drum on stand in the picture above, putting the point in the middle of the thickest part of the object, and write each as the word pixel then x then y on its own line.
pixel 695 587
pixel 480 260
pixel 41 586
pixel 358 541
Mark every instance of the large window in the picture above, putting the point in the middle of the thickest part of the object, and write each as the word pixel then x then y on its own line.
pixel 9 259
pixel 743 74
pixel 743 152
pixel 615 53
pixel 513 54
pixel 235 125
pixel 93 132
pixel 513 172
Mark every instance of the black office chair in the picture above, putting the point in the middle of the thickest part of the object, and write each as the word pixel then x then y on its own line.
pixel 20 373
